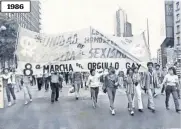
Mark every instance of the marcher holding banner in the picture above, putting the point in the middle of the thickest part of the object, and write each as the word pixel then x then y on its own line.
pixel 111 84
pixel 94 84
pixel 9 87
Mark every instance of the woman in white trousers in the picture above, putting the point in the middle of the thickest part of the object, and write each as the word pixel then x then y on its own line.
pixel 138 94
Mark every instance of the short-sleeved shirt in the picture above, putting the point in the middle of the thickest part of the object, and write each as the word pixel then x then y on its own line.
pixel 171 80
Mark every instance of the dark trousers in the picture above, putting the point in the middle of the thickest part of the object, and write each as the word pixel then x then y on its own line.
pixel 94 93
pixel 10 91
pixel 163 89
pixel 46 84
pixel 39 83
pixel 66 81
pixel 55 91
pixel 172 90
pixel 178 92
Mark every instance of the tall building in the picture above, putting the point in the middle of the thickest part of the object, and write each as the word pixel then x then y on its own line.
pixel 169 25
pixel 177 29
pixel 122 27
pixel 30 20
pixel 128 32
pixel 177 34
pixel 159 57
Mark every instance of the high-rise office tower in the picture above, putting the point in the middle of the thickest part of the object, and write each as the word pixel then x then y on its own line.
pixel 122 27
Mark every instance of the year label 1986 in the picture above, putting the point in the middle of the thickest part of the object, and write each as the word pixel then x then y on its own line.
pixel 16 6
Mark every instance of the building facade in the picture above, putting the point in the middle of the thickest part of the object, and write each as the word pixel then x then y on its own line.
pixel 159 57
pixel 177 29
pixel 31 21
pixel 169 25
pixel 177 33
pixel 122 27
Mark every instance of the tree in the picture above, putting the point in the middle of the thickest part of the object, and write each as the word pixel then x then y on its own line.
pixel 8 40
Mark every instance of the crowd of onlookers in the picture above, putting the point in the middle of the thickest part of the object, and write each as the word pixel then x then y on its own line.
pixel 109 80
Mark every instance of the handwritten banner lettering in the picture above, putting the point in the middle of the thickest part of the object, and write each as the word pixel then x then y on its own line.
pixel 73 51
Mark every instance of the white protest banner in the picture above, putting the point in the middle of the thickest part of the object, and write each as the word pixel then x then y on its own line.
pixel 82 65
pixel 1 94
pixel 135 45
pixel 35 51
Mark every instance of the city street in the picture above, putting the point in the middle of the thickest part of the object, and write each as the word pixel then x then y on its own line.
pixel 71 114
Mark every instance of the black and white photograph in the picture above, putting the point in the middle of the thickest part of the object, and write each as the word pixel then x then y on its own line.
pixel 90 64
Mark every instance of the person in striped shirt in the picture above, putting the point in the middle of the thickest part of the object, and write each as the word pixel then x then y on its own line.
pixel 130 90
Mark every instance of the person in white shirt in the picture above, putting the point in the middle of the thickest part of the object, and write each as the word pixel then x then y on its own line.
pixel 7 76
pixel 94 84
pixel 171 82
pixel 26 82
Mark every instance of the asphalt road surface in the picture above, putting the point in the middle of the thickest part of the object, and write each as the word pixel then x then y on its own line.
pixel 69 113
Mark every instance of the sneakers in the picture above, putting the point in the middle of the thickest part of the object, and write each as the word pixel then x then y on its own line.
pixel 153 110
pixel 132 113
pixel 140 110
pixel 178 110
pixel 14 101
pixel 167 108
pixel 26 102
pixel 112 111
pixel 9 104
pixel 154 95
pixel 31 100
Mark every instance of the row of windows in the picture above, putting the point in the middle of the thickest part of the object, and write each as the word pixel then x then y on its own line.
pixel 178 22
pixel 177 6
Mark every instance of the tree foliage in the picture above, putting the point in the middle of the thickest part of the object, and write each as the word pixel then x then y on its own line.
pixel 8 39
